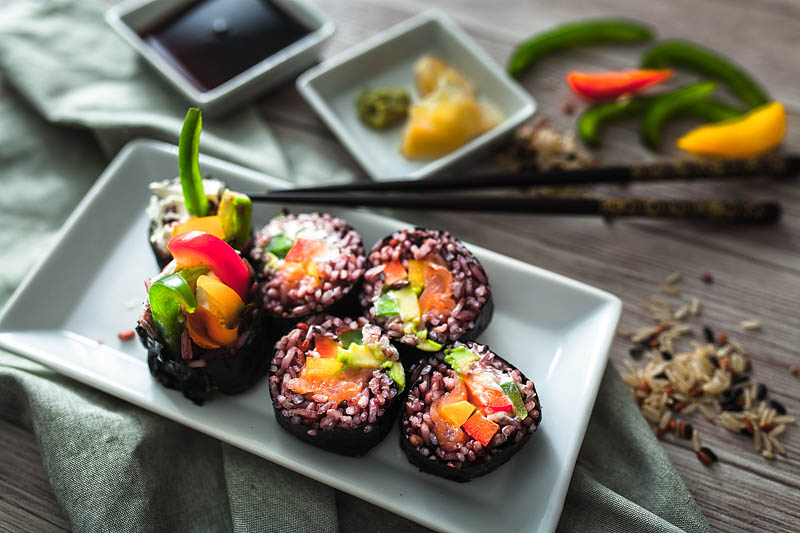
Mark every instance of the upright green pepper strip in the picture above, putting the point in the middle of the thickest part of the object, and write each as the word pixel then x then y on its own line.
pixel 575 34
pixel 665 106
pixel 168 297
pixel 188 164
pixel 235 213
pixel 679 53
pixel 591 122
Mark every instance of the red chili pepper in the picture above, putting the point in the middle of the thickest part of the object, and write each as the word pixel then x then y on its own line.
pixel 197 248
pixel 597 87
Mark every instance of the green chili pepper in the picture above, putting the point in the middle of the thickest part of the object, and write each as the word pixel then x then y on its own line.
pixel 665 106
pixel 576 34
pixel 188 164
pixel 710 110
pixel 168 297
pixel 235 213
pixel 592 121
pixel 678 53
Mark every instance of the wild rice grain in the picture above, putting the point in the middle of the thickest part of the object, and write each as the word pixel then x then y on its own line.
pixel 750 325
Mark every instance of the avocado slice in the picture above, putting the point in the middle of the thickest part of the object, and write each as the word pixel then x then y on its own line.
pixel 407 304
pixel 388 304
pixel 511 390
pixel 359 356
pixel 429 346
pixel 397 373
pixel 460 358
pixel 279 245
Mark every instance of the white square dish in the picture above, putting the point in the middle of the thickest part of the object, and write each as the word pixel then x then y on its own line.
pixel 88 287
pixel 387 59
pixel 133 17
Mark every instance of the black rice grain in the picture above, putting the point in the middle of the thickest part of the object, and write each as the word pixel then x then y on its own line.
pixel 761 391
pixel 708 333
pixel 778 406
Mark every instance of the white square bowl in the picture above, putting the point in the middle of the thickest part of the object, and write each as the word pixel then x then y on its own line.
pixel 129 19
pixel 332 87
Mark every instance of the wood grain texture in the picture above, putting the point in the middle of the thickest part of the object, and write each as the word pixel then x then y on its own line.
pixel 756 270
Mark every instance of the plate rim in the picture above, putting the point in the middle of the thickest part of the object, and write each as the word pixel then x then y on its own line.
pixel 609 303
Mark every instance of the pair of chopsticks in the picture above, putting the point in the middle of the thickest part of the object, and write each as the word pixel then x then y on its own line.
pixel 413 194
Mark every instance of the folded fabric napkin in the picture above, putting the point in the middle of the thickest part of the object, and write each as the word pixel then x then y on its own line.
pixel 78 91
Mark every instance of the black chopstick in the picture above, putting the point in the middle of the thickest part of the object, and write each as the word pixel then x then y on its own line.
pixel 711 210
pixel 774 166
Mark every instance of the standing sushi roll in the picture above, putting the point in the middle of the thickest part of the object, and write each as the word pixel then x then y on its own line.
pixel 200 325
pixel 191 203
pixel 336 383
pixel 467 412
pixel 425 289
pixel 307 264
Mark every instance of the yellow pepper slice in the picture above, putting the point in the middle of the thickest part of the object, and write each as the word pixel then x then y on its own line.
pixel 215 322
pixel 212 225
pixel 751 135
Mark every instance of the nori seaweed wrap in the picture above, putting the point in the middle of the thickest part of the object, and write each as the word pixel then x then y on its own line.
pixel 467 412
pixel 336 383
pixel 201 326
pixel 425 289
pixel 307 264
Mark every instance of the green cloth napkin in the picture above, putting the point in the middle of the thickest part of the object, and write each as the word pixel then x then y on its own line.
pixel 78 93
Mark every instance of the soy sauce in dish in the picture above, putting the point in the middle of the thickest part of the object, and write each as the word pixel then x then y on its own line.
pixel 212 41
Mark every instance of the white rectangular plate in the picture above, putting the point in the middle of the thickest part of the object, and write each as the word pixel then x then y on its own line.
pixel 68 311
pixel 387 59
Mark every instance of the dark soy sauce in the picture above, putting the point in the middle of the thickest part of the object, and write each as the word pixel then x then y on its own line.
pixel 212 41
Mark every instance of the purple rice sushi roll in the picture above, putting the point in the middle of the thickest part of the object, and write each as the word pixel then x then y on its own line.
pixel 306 264
pixel 467 412
pixel 425 289
pixel 336 383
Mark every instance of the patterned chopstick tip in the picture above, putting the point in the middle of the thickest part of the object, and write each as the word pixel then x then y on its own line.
pixel 679 376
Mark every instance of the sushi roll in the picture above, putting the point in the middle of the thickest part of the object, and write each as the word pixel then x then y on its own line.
pixel 425 289
pixel 193 203
pixel 336 383
pixel 467 412
pixel 306 264
pixel 200 325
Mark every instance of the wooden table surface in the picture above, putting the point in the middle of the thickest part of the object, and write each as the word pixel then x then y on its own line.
pixel 756 270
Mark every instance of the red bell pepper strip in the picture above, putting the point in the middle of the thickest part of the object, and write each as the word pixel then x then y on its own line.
pixel 597 87
pixel 394 272
pixel 197 248
pixel 487 398
pixel 169 297
pixel 480 428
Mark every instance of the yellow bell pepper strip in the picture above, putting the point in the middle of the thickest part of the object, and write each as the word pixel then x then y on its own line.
pixel 679 53
pixel 602 86
pixel 197 248
pixel 215 321
pixel 188 164
pixel 169 297
pixel 575 34
pixel 754 134
pixel 212 225
pixel 663 107
pixel 235 213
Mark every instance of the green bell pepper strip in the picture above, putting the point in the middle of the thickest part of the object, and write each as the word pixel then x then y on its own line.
pixel 169 297
pixel 585 32
pixel 188 164
pixel 591 122
pixel 279 244
pixel 665 106
pixel 684 54
pixel 236 213
pixel 511 390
